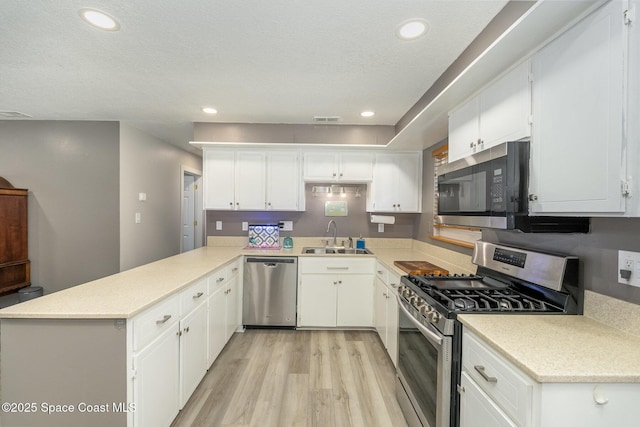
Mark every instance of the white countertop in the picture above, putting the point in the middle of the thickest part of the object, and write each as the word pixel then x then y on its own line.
pixel 560 348
pixel 125 294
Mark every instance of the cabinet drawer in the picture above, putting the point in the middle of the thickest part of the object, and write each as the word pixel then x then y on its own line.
pixel 382 273
pixel 510 389
pixel 233 268
pixel 217 279
pixel 193 296
pixel 335 265
pixel 151 323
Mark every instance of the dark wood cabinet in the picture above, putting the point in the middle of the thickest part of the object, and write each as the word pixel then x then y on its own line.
pixel 14 251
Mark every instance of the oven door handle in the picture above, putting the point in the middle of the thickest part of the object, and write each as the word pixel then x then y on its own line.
pixel 433 337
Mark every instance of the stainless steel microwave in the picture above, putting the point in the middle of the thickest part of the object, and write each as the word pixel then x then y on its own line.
pixel 490 190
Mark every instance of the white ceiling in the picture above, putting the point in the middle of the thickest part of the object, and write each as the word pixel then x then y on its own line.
pixel 256 61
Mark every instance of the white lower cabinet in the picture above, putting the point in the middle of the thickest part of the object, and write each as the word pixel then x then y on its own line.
pixel 224 307
pixel 156 385
pixel 386 310
pixel 494 392
pixel 335 292
pixel 193 351
pixel 477 409
pixel 174 342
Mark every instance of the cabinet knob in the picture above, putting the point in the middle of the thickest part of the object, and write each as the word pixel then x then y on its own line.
pixel 533 197
pixel 230 203
pixel 599 396
pixel 472 144
pixel 334 174
pixel 198 295
pixel 340 173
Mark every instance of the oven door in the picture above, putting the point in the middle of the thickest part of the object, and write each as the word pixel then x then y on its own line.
pixel 424 371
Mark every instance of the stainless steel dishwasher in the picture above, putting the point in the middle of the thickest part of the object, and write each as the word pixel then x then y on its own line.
pixel 270 291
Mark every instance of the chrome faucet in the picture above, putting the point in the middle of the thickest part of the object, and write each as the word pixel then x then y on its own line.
pixel 335 232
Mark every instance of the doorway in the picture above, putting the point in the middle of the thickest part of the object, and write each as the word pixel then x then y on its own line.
pixel 191 234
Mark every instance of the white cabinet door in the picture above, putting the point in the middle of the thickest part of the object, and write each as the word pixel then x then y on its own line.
pixel 250 189
pixel 233 303
pixel 193 351
pixel 576 148
pixel 219 179
pixel 283 181
pixel 356 166
pixel 505 108
pixel 397 183
pixel 380 310
pixel 464 128
pixel 409 183
pixel 156 387
pixel 392 318
pixel 317 295
pixel 500 113
pixel 355 300
pixel 321 165
pixel 217 323
pixel 477 409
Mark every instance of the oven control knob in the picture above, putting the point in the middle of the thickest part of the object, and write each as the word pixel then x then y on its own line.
pixel 434 317
pixel 425 310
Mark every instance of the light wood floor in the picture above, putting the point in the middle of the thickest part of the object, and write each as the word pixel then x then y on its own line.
pixel 297 378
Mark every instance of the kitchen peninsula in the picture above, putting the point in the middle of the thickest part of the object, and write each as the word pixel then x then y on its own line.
pixel 86 347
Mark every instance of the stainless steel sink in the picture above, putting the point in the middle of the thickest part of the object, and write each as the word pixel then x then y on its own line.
pixel 336 251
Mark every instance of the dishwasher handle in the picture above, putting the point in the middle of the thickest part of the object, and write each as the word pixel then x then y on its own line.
pixel 270 261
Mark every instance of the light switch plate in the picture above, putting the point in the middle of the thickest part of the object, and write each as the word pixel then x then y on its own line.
pixel 218 225
pixel 629 261
pixel 380 228
pixel 142 197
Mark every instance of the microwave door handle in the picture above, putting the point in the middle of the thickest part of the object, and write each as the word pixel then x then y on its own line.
pixel 433 338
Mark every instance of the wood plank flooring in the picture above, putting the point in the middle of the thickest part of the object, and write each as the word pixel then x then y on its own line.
pixel 284 378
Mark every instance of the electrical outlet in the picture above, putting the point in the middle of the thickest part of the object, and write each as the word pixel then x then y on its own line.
pixel 380 228
pixel 218 225
pixel 245 226
pixel 629 268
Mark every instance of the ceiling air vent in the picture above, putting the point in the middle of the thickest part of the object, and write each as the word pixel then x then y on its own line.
pixel 14 115
pixel 326 119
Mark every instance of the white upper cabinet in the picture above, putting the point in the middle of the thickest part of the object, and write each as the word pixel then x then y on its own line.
pixel 345 166
pixel 577 137
pixel 283 181
pixel 500 113
pixel 397 183
pixel 250 190
pixel 218 180
pixel 252 180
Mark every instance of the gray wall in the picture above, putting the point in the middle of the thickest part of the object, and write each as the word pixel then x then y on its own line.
pixel 313 222
pixel 71 171
pixel 597 250
pixel 150 166
pixel 293 133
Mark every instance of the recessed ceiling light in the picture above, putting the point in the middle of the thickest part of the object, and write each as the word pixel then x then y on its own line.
pixel 367 114
pixel 412 29
pixel 210 110
pixel 99 19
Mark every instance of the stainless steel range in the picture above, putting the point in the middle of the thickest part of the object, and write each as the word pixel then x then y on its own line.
pixel 508 280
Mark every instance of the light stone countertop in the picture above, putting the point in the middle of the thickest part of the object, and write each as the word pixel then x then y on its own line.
pixel 560 348
pixel 125 294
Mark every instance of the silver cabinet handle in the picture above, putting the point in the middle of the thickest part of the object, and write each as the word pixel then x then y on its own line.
pixel 234 270
pixel 220 279
pixel 198 295
pixel 380 271
pixel 337 268
pixel 164 319
pixel 484 375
